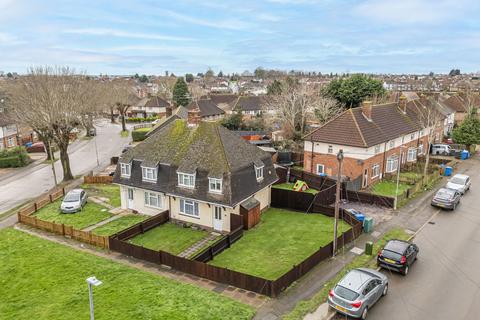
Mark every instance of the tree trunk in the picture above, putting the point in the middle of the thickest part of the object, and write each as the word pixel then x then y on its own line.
pixel 64 158
pixel 112 116
pixel 124 126
pixel 425 168
pixel 47 143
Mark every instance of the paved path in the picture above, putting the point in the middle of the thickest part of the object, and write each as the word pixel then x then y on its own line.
pixel 240 295
pixel 103 222
pixel 197 246
pixel 102 202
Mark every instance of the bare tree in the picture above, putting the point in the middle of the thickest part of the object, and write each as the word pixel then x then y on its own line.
pixel 326 108
pixel 122 95
pixel 52 101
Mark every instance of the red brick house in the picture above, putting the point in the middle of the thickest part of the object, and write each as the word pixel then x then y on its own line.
pixel 8 133
pixel 374 139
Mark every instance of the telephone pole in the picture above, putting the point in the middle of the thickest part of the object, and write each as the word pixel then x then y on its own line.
pixel 337 199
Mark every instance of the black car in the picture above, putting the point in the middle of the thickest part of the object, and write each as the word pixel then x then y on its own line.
pixel 397 255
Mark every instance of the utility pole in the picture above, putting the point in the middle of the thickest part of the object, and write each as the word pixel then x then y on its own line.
pixel 96 148
pixel 398 178
pixel 337 200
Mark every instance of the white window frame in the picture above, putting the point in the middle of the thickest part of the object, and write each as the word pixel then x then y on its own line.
pixel 10 142
pixel 412 136
pixel 186 177
pixel 193 205
pixel 320 166
pixel 390 168
pixel 149 195
pixel 146 176
pixel 375 170
pixel 125 170
pixel 392 144
pixel 420 149
pixel 411 154
pixel 217 185
pixel 330 149
pixel 259 173
pixel 377 149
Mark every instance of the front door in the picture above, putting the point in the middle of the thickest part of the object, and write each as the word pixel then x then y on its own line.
pixel 130 198
pixel 365 178
pixel 217 218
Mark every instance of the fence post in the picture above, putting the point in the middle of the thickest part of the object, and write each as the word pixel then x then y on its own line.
pixel 63 190
pixel 35 206
pixel 50 197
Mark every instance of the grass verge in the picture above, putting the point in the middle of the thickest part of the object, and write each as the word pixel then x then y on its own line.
pixel 289 186
pixel 388 188
pixel 307 306
pixel 118 225
pixel 43 280
pixel 169 237
pixel 124 134
pixel 282 239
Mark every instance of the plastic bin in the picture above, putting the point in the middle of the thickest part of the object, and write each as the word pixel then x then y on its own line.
pixel 369 248
pixel 360 216
pixel 464 155
pixel 368 224
pixel 448 171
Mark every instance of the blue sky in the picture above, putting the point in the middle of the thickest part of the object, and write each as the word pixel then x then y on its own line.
pixel 125 37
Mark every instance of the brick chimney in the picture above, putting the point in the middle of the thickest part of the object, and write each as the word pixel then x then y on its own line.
pixel 402 103
pixel 193 116
pixel 367 110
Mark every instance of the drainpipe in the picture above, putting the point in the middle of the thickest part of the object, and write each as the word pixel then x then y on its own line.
pixel 384 157
pixel 311 156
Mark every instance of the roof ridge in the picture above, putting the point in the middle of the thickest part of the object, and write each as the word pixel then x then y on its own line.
pixel 217 130
pixel 358 127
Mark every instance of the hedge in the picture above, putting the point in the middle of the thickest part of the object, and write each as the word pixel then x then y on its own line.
pixel 15 157
pixel 148 119
pixel 140 134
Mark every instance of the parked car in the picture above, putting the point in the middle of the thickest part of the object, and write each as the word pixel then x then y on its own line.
pixel 397 255
pixel 358 291
pixel 460 183
pixel 443 149
pixel 92 132
pixel 74 201
pixel 36 147
pixel 446 198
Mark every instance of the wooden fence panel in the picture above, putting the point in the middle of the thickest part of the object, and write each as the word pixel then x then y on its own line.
pixel 97 179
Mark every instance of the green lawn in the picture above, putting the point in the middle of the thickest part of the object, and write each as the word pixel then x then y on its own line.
pixel 119 224
pixel 289 186
pixel 42 280
pixel 124 134
pixel 109 191
pixel 411 175
pixel 169 237
pixel 143 129
pixel 387 188
pixel 91 214
pixel 282 239
pixel 364 261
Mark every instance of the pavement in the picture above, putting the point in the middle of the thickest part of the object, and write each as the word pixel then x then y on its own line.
pixel 32 181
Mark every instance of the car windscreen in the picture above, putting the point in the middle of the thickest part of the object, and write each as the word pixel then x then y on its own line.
pixel 391 255
pixel 444 194
pixel 72 197
pixel 345 293
pixel 457 181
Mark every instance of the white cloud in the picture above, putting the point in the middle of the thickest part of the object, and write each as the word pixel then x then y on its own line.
pixel 233 24
pixel 122 34
pixel 8 39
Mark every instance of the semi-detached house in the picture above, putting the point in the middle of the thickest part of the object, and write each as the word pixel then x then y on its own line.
pixel 375 139
pixel 199 171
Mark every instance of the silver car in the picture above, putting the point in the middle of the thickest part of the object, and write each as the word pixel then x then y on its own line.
pixel 446 199
pixel 74 201
pixel 460 183
pixel 358 291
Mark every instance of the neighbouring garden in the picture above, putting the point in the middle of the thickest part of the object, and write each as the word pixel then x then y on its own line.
pixel 44 280
pixel 388 188
pixel 169 237
pixel 14 157
pixel 282 239
pixel 109 192
pixel 140 134
pixel 289 186
pixel 119 224
pixel 91 214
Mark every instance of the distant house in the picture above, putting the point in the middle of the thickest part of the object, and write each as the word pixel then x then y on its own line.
pixel 250 105
pixel 180 113
pixel 226 102
pixel 198 170
pixel 8 132
pixel 150 107
pixel 375 139
pixel 206 109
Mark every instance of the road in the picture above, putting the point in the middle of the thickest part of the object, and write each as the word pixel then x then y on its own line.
pixel 32 182
pixel 444 282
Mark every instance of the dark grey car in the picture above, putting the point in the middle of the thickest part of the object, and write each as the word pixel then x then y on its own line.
pixel 358 291
pixel 446 198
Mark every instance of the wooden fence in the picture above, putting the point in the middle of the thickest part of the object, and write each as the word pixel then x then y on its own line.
pixel 224 243
pixel 97 179
pixel 26 216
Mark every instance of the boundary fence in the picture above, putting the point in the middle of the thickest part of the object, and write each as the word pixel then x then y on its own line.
pixel 26 216
pixel 98 179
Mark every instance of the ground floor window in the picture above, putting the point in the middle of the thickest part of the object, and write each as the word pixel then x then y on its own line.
pixel 320 169
pixel 392 164
pixel 10 142
pixel 412 154
pixel 420 149
pixel 189 208
pixel 153 199
pixel 375 170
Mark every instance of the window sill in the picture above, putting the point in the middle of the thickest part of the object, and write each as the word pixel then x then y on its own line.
pixel 149 181
pixel 186 187
pixel 153 207
pixel 188 215
pixel 215 192
pixel 124 176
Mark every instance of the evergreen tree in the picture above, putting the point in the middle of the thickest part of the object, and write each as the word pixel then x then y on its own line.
pixel 181 96
pixel 468 133
pixel 189 77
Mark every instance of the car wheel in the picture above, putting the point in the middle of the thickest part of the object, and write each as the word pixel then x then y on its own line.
pixel 454 206
pixel 385 290
pixel 405 271
pixel 364 313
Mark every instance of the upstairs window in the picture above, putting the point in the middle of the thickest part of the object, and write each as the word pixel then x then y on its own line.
pixel 392 143
pixel 259 173
pixel 186 180
pixel 412 154
pixel 149 174
pixel 330 149
pixel 125 170
pixel 377 149
pixel 215 185
pixel 412 136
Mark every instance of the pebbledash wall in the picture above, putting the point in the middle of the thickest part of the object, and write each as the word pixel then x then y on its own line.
pixel 206 210
pixel 358 161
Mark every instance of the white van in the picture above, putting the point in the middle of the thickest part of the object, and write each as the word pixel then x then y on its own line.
pixel 443 149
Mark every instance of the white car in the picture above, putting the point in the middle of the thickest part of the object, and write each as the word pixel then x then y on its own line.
pixel 460 183
pixel 74 201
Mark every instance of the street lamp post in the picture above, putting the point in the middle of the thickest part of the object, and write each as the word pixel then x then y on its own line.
pixel 92 281
pixel 398 177
pixel 96 148
pixel 337 200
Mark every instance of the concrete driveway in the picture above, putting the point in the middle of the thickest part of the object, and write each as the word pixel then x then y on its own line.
pixel 34 181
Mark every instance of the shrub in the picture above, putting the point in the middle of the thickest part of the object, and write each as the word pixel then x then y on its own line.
pixel 140 134
pixel 14 157
pixel 148 119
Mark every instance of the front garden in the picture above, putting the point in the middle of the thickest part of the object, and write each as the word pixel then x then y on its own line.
pixel 108 192
pixel 281 240
pixel 169 237
pixel 119 224
pixel 289 186
pixel 389 188
pixel 44 280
